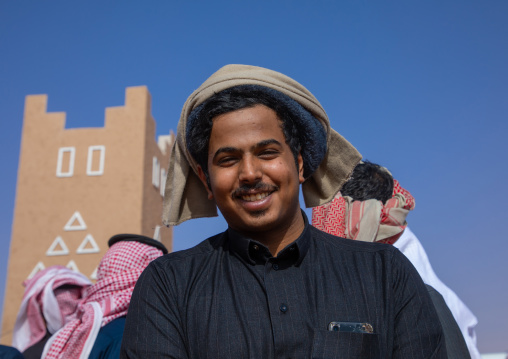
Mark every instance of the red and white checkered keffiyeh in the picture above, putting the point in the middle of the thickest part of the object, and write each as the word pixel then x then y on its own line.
pixel 51 297
pixel 103 302
pixel 369 220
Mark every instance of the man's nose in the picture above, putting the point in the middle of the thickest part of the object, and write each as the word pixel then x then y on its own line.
pixel 250 170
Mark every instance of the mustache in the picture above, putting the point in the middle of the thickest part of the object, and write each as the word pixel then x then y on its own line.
pixel 246 189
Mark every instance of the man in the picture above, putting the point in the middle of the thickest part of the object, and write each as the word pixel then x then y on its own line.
pixel 271 285
pixel 412 248
pixel 50 300
pixel 374 208
pixel 95 330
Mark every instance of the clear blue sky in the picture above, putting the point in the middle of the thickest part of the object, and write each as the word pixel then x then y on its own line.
pixel 418 86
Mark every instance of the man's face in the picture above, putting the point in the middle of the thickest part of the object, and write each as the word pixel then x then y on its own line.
pixel 252 171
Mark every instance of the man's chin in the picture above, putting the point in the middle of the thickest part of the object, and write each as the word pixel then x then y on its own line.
pixel 256 223
pixel 258 214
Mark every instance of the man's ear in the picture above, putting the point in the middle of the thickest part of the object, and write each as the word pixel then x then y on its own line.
pixel 203 179
pixel 300 168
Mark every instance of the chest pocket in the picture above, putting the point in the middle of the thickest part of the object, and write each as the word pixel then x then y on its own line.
pixel 328 344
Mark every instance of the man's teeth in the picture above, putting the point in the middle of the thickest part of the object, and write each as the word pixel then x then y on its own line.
pixel 254 197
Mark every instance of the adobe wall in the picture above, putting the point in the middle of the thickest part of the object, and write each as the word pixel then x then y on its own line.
pixel 105 197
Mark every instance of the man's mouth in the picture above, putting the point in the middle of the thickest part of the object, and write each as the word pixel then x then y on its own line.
pixel 255 197
pixel 254 193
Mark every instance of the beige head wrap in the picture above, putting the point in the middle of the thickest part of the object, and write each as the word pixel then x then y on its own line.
pixel 186 197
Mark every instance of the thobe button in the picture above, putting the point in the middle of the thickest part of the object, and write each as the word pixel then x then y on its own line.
pixel 283 308
pixel 275 266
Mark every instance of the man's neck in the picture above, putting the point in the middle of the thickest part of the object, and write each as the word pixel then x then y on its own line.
pixel 279 238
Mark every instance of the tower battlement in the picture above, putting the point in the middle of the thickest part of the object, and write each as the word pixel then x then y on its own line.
pixel 78 187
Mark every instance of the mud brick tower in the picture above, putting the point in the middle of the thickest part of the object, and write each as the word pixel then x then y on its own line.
pixel 78 187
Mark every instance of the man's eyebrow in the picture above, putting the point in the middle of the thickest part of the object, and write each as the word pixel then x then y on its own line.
pixel 270 141
pixel 263 143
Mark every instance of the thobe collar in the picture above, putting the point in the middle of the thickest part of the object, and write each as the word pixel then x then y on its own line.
pixel 253 252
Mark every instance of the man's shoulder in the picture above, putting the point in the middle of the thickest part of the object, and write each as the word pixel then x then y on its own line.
pixel 343 244
pixel 201 250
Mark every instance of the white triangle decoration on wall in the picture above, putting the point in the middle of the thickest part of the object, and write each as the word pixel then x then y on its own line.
pixel 94 274
pixel 72 266
pixel 38 267
pixel 90 243
pixel 75 223
pixel 53 249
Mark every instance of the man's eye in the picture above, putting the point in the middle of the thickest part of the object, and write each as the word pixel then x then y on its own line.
pixel 226 161
pixel 268 153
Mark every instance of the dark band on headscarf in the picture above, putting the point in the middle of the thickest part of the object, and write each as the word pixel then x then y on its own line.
pixel 137 238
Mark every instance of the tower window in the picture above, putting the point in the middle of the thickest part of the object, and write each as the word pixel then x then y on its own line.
pixel 95 161
pixel 163 181
pixel 156 172
pixel 65 162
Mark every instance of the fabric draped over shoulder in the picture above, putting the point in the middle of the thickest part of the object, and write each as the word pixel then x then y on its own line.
pixel 51 297
pixel 185 196
pixel 368 221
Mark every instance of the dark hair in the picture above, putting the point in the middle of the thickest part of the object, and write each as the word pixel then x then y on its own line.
pixel 369 181
pixel 299 127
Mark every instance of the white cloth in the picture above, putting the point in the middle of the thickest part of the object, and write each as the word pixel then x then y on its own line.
pixel 413 250
pixel 41 306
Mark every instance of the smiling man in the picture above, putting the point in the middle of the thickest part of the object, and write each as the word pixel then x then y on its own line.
pixel 271 285
pixel 255 176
